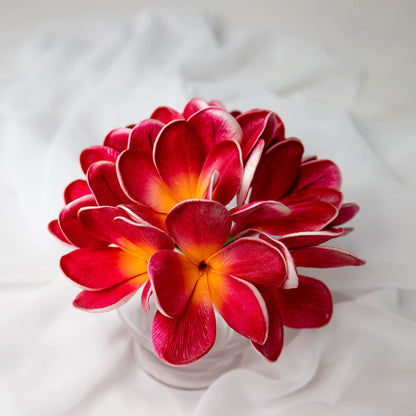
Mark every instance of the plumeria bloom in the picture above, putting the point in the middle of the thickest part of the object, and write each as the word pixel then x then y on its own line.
pixel 109 276
pixel 209 273
pixel 303 302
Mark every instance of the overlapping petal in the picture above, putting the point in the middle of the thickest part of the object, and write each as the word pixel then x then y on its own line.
pixel 96 154
pixel 118 138
pixel 75 190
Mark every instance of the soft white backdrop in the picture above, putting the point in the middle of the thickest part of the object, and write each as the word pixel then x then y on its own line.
pixel 340 74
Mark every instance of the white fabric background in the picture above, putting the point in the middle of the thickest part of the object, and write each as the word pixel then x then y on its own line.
pixel 74 83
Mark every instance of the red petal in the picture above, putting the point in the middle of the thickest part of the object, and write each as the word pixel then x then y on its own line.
pixel 104 183
pixel 188 337
pixel 199 228
pixel 107 300
pixel 319 174
pixel 118 139
pixel 166 115
pixel 145 298
pixel 193 106
pixel 98 269
pixel 311 238
pixel 252 260
pixel 173 279
pixel 55 229
pixel 71 226
pixel 240 304
pixel 307 306
pixel 179 158
pixel 346 212
pixel 277 171
pixel 76 190
pixel 249 171
pixel 214 125
pixel 324 257
pixel 141 181
pixel 143 136
pixel 96 154
pixel 259 124
pixel 272 348
pixel 331 196
pixel 225 158
pixel 142 214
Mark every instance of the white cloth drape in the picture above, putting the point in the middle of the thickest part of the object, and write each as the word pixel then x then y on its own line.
pixel 75 82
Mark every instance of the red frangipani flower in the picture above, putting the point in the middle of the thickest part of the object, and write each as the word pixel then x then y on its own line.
pixel 186 286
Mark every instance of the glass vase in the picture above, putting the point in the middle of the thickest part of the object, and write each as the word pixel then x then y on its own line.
pixel 225 355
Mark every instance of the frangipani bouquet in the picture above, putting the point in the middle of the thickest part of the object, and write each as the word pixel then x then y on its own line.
pixel 205 210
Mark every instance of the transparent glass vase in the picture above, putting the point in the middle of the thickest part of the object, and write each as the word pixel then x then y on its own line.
pixel 225 355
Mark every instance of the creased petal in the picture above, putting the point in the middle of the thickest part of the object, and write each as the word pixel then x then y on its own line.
pixel 225 158
pixel 319 174
pixel 252 260
pixel 292 280
pixel 104 183
pixel 118 139
pixel 259 124
pixel 75 190
pixel 143 136
pixel 249 171
pixel 109 299
pixel 98 269
pixel 277 171
pixel 310 238
pixel 186 338
pixel 145 298
pixel 142 214
pixel 142 183
pixel 166 114
pixel 214 125
pixel 240 304
pixel 346 212
pixel 179 157
pixel 257 216
pixel 96 154
pixel 324 257
pixel 199 227
pixel 71 226
pixel 272 348
pixel 307 306
pixel 173 279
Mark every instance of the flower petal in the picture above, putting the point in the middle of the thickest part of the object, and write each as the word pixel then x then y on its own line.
pixel 71 226
pixel 166 115
pixel 142 214
pixel 214 125
pixel 318 174
pixel 75 190
pixel 332 196
pixel 292 279
pixel 225 158
pixel 98 269
pixel 143 136
pixel 240 304
pixel 259 124
pixel 145 298
pixel 186 338
pixel 199 227
pixel 252 260
pixel 173 279
pixel 179 157
pixel 142 183
pixel 346 212
pixel 249 171
pixel 307 306
pixel 109 299
pixel 96 154
pixel 277 171
pixel 310 238
pixel 104 183
pixel 272 348
pixel 324 257
pixel 55 229
pixel 118 139
pixel 193 106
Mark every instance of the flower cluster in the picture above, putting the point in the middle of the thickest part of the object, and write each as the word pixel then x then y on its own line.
pixel 205 210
